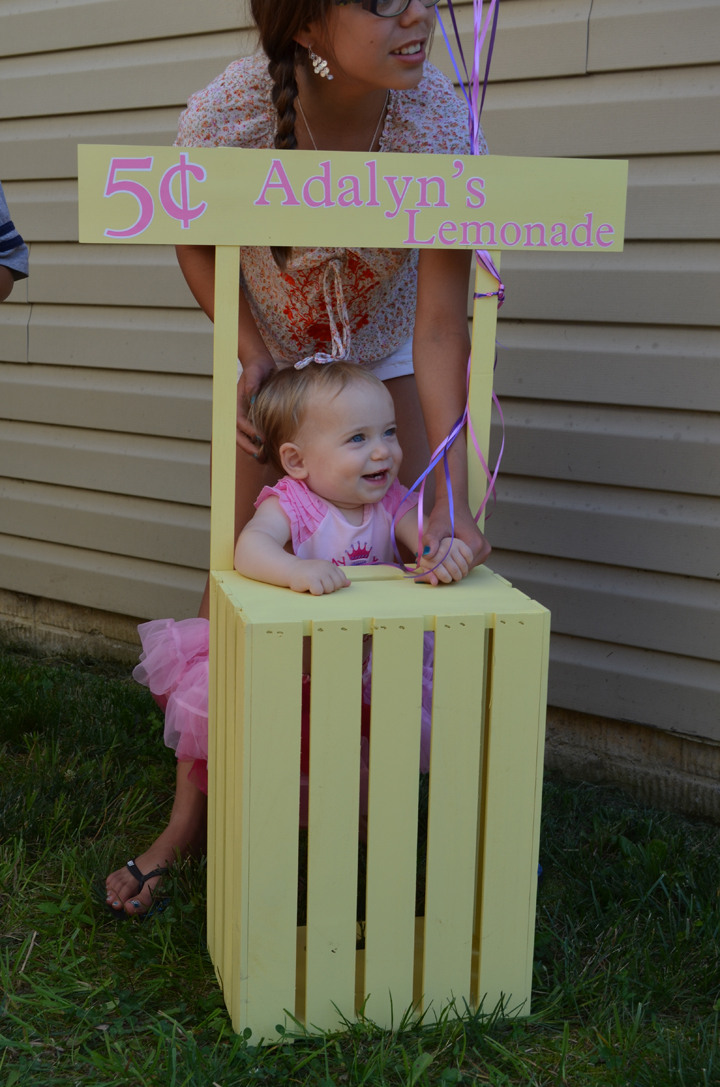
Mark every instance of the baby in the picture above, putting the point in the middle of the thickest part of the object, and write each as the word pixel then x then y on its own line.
pixel 331 431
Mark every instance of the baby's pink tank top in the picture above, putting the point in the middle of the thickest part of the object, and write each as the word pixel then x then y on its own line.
pixel 319 530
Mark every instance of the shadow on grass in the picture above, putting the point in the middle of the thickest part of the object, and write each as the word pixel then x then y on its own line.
pixel 627 985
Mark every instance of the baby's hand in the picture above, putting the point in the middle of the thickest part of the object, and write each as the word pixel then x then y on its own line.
pixel 454 567
pixel 317 576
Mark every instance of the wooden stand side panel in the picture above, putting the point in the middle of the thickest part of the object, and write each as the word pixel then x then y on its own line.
pixel 510 831
pixel 539 775
pixel 272 834
pixel 336 699
pixel 226 772
pixel 458 711
pixel 216 783
pixel 238 773
pixel 392 817
pixel 212 741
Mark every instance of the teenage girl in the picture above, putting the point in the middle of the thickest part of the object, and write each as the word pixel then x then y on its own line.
pixel 341 76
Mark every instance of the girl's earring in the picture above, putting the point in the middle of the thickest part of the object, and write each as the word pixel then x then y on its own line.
pixel 320 66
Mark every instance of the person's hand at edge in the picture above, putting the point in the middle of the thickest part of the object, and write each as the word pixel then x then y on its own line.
pixel 439 528
pixel 254 375
pixel 455 556
pixel 7 282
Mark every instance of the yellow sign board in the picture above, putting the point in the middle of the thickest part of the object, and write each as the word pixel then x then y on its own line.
pixel 235 196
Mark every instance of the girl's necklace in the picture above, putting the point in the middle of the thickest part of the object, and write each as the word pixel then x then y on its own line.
pixel 372 144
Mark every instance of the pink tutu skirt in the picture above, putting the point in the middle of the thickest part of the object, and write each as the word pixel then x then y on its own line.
pixel 174 665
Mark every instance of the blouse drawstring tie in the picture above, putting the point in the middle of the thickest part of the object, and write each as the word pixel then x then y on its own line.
pixel 340 339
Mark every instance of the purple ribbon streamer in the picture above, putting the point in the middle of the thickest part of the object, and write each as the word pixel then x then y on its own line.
pixel 475 103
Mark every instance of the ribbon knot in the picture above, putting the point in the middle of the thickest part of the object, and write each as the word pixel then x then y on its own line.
pixel 339 337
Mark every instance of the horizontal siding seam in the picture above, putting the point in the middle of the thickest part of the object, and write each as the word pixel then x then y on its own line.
pixel 72 50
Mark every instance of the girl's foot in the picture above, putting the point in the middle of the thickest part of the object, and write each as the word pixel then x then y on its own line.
pixel 184 835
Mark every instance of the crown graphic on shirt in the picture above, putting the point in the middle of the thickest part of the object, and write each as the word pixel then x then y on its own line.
pixel 359 553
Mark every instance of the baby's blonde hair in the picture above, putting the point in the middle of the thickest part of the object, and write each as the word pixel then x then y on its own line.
pixel 280 407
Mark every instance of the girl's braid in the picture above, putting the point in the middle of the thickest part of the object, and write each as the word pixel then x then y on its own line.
pixel 278 23
pixel 284 93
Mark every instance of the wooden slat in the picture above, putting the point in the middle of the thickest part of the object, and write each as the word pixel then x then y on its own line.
pixel 627 447
pixel 650 530
pixel 96 579
pixel 336 699
pixel 604 364
pixel 658 689
pixel 162 468
pixel 672 111
pixel 107 275
pixel 392 817
pixel 274 782
pixel 457 721
pixel 614 604
pixel 139 75
pixel 138 527
pixel 170 405
pixel 514 740
pixel 229 791
pixel 46 147
pixel 673 283
pixel 652 33
pixel 14 333
pixel 76 24
pixel 175 341
pixel 534 39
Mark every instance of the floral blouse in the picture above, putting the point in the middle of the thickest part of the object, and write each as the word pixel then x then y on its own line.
pixel 379 285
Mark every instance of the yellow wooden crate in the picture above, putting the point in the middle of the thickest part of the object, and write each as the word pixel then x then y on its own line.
pixel 475 943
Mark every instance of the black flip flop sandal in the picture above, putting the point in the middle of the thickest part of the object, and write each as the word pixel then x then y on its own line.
pixel 155 907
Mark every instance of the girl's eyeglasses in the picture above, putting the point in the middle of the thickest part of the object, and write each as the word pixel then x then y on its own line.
pixel 386 9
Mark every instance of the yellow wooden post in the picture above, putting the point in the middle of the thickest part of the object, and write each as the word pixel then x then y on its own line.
pixel 222 516
pixel 481 381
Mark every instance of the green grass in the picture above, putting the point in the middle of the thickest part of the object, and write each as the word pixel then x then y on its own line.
pixel 627 979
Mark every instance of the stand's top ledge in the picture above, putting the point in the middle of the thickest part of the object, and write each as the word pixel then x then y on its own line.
pixel 391 596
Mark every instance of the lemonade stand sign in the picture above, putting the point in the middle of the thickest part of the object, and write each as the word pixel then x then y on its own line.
pixel 474 943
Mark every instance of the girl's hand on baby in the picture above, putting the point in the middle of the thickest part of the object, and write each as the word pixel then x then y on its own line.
pixel 317 576
pixel 254 375
pixel 454 567
pixel 440 526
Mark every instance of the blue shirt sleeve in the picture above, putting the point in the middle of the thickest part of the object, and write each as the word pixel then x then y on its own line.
pixel 13 251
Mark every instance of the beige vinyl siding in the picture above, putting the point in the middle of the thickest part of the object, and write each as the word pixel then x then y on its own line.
pixel 609 367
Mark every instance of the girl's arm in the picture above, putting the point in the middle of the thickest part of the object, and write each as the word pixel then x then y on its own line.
pixel 441 346
pixel 197 263
pixel 261 555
